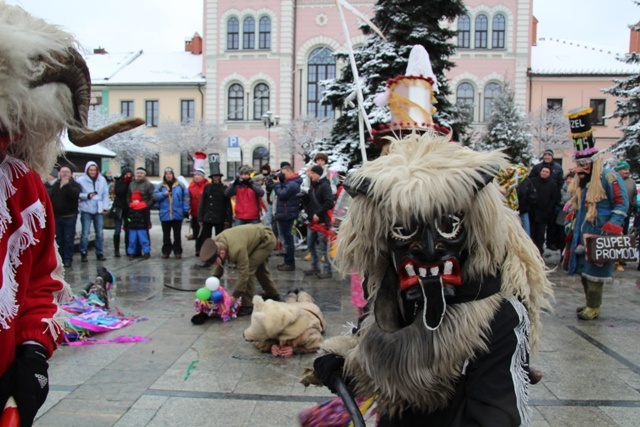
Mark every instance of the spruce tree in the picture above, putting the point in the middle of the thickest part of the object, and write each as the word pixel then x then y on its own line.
pixel 628 111
pixel 507 129
pixel 404 23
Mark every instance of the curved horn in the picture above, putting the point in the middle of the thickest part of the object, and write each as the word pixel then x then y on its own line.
pixel 72 71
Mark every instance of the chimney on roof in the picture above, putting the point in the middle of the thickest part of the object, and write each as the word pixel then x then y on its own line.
pixel 100 51
pixel 194 45
pixel 534 31
pixel 634 39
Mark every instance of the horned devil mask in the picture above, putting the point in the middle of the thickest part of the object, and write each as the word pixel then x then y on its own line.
pixel 45 88
pixel 426 239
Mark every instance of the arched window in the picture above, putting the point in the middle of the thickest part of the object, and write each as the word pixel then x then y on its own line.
pixel 233 33
pixel 482 26
pixel 260 101
pixel 498 30
pixel 464 31
pixel 321 66
pixel 235 104
pixel 264 41
pixel 465 98
pixel 491 92
pixel 260 157
pixel 249 33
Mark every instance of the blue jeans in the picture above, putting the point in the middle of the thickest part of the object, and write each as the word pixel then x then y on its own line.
pixel 321 239
pixel 98 221
pixel 286 236
pixel 139 242
pixel 65 233
pixel 524 218
pixel 268 217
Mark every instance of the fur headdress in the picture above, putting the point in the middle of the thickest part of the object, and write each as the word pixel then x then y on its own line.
pixel 45 88
pixel 423 177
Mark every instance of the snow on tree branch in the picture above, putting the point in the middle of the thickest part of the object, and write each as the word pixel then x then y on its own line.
pixel 550 129
pixel 128 146
pixel 304 133
pixel 174 137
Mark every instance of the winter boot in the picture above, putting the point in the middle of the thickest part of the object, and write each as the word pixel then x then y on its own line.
pixel 116 245
pixel 83 257
pixel 594 300
pixel 584 287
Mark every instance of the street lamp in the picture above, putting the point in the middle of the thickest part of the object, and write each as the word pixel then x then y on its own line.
pixel 270 120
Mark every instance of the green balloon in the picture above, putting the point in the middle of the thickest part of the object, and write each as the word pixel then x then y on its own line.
pixel 203 294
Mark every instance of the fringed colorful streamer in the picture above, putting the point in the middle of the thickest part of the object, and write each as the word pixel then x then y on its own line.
pixel 223 309
pixel 116 340
pixel 88 317
pixel 332 413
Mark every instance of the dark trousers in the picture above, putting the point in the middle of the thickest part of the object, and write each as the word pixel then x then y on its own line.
pixel 167 246
pixel 195 229
pixel 286 235
pixel 65 233
pixel 537 234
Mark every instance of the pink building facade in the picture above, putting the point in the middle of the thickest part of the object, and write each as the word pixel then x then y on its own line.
pixel 264 62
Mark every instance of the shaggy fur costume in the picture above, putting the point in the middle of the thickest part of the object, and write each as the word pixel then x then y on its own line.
pixel 422 178
pixel 297 322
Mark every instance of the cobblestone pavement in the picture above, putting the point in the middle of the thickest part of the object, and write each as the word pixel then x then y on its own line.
pixel 207 375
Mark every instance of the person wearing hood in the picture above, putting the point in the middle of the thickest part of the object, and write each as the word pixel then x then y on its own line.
pixel 173 201
pixel 94 200
pixel 287 210
pixel 120 190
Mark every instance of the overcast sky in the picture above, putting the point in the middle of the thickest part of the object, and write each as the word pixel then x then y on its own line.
pixel 164 25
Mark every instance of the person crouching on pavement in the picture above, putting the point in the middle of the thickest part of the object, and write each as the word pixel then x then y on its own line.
pixel 248 247
pixel 138 223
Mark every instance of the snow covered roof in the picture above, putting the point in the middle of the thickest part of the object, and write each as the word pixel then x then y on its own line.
pixel 553 56
pixel 104 66
pixel 142 68
pixel 94 150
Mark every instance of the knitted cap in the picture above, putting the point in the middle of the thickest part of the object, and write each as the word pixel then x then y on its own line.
pixel 622 165
pixel 317 169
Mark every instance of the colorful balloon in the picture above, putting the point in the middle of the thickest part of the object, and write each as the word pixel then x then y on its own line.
pixel 212 283
pixel 217 296
pixel 203 294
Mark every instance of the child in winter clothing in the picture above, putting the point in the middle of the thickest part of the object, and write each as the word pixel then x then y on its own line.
pixel 138 222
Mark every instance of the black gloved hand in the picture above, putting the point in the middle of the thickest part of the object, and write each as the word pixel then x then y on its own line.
pixel 237 181
pixel 31 381
pixel 281 178
pixel 325 367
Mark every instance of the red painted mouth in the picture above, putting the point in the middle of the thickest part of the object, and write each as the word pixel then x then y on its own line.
pixel 410 272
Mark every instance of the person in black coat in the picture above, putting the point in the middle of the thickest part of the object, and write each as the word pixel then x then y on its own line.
pixel 557 175
pixel 64 195
pixel 120 206
pixel 214 211
pixel 527 197
pixel 320 203
pixel 544 209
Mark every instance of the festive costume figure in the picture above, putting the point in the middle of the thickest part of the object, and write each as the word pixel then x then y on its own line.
pixel 455 289
pixel 45 89
pixel 284 328
pixel 454 285
pixel 599 202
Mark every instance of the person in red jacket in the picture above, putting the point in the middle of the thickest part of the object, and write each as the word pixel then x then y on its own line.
pixel 45 90
pixel 195 196
pixel 248 195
